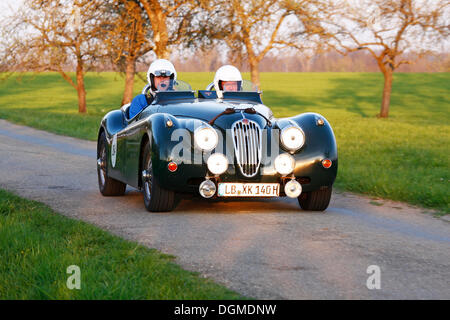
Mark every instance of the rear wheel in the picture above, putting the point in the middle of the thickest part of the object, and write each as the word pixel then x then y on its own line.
pixel 156 198
pixel 317 200
pixel 108 186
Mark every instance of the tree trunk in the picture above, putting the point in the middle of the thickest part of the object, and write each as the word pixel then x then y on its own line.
pixel 162 50
pixel 158 19
pixel 254 72
pixel 384 112
pixel 129 80
pixel 80 88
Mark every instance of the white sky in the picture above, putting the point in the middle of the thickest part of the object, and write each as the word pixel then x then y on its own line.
pixel 7 7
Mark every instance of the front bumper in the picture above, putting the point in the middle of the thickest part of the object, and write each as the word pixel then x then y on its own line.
pixel 188 177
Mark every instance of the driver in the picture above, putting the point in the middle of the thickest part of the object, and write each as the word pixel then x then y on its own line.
pixel 227 78
pixel 160 76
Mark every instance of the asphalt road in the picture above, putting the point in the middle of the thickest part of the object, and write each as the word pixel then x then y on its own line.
pixel 265 249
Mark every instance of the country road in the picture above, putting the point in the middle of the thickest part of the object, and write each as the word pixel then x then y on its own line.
pixel 266 249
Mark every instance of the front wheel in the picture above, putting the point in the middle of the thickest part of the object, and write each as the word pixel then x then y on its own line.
pixel 317 200
pixel 108 186
pixel 156 198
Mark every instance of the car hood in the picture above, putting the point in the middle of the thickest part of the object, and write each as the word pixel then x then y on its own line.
pixel 208 110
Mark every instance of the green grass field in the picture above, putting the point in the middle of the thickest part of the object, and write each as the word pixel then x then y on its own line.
pixel 402 158
pixel 37 245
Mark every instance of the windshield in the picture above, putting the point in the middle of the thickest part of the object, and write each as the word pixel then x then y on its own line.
pixel 234 86
pixel 171 85
pixel 248 86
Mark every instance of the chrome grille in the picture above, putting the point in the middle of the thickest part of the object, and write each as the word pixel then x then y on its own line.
pixel 247 146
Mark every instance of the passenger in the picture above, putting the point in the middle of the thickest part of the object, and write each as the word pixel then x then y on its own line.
pixel 160 76
pixel 227 78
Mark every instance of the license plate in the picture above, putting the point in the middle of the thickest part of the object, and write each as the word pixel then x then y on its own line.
pixel 227 189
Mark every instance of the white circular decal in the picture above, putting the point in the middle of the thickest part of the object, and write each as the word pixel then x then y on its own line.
pixel 114 151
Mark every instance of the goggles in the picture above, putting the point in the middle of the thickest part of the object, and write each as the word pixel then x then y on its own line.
pixel 163 73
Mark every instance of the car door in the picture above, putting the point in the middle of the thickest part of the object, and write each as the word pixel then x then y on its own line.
pixel 134 133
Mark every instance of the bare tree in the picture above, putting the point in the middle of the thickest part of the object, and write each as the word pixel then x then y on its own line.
pixel 173 23
pixel 127 38
pixel 254 28
pixel 251 29
pixel 51 35
pixel 198 60
pixel 389 30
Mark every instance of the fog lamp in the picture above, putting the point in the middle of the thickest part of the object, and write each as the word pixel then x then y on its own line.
pixel 217 163
pixel 293 189
pixel 284 164
pixel 207 189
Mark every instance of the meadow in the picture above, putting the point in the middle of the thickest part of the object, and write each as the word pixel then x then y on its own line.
pixel 37 245
pixel 404 157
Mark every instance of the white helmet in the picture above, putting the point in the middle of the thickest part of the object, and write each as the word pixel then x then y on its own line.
pixel 226 73
pixel 158 68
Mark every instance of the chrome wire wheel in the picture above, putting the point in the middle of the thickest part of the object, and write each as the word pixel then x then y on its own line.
pixel 147 178
pixel 107 185
pixel 101 167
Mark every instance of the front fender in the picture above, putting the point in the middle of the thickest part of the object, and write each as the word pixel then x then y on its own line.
pixel 320 143
pixel 167 142
pixel 113 122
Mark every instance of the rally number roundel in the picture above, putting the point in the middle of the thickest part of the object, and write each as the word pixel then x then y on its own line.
pixel 114 151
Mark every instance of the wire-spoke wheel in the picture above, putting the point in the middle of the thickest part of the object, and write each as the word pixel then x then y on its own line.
pixel 108 186
pixel 156 198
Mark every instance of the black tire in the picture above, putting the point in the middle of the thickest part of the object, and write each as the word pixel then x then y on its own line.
pixel 156 198
pixel 108 186
pixel 317 200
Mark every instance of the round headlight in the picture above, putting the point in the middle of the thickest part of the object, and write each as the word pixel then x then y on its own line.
pixel 217 163
pixel 292 138
pixel 206 138
pixel 284 164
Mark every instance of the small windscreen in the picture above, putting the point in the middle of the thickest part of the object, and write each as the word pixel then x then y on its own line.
pixel 234 86
pixel 246 91
pixel 248 86
pixel 172 85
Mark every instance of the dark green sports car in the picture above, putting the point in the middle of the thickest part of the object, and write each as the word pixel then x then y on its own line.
pixel 216 147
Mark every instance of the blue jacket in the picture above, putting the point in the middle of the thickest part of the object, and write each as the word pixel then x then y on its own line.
pixel 139 102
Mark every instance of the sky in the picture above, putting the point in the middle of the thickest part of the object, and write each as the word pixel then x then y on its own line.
pixel 7 7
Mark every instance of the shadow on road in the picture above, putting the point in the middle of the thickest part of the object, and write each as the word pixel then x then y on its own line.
pixel 196 204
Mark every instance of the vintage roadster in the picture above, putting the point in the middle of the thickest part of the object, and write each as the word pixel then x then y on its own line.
pixel 230 146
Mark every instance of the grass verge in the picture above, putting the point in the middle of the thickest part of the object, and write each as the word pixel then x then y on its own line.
pixel 37 245
pixel 404 157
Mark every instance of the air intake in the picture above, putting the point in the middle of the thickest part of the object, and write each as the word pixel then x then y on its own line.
pixel 247 146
